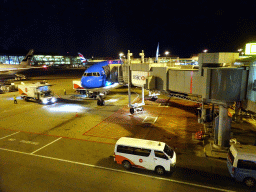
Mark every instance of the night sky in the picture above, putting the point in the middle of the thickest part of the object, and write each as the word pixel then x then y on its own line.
pixel 106 28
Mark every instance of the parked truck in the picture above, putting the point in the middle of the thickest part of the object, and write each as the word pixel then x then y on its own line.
pixel 39 92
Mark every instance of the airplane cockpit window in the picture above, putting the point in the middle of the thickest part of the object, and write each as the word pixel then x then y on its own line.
pixel 96 74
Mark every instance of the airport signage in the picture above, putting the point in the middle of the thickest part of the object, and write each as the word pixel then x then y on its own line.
pixel 250 49
pixel 139 78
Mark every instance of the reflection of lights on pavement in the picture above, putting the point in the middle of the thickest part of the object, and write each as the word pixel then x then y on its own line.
pixel 111 86
pixel 108 83
pixel 65 108
pixel 111 100
pixel 11 98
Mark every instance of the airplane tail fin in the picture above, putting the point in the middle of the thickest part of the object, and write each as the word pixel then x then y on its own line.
pixel 83 60
pixel 27 60
pixel 157 52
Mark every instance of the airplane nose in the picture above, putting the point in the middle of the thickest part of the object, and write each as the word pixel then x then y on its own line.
pixel 90 82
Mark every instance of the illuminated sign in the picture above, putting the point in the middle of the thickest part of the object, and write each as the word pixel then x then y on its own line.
pixel 250 49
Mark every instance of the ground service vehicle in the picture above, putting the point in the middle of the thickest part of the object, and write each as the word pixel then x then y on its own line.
pixel 241 162
pixel 146 154
pixel 39 92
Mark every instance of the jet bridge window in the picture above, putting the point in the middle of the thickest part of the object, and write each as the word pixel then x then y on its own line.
pixel 96 74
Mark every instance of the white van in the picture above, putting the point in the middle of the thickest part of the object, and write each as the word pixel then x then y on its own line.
pixel 241 162
pixel 146 154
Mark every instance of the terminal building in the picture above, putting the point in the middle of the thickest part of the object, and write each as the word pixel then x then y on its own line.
pixel 43 60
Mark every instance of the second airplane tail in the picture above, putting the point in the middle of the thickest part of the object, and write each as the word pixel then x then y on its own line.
pixel 83 60
pixel 27 60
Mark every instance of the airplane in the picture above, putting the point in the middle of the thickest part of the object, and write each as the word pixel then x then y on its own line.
pixel 9 71
pixel 97 80
pixel 83 60
pixel 13 69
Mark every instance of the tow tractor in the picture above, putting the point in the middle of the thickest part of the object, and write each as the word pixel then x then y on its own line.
pixel 136 108
pixel 39 92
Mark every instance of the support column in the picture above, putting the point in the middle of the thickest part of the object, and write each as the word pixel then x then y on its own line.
pixel 224 127
pixel 142 56
pixel 238 111
pixel 143 94
pixel 203 115
pixel 129 77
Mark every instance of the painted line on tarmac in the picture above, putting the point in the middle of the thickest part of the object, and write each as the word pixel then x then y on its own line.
pixel 10 135
pixel 88 140
pixel 116 170
pixel 46 145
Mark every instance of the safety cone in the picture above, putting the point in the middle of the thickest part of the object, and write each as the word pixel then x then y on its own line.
pixel 76 115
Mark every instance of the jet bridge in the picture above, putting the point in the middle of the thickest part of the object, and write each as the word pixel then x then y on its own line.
pixel 216 82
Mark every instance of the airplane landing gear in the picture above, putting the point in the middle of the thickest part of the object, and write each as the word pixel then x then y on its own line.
pixel 154 98
pixel 100 101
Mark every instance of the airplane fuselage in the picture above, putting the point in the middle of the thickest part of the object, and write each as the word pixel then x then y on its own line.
pixel 96 75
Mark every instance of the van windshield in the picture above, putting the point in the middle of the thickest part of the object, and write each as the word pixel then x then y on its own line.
pixel 168 151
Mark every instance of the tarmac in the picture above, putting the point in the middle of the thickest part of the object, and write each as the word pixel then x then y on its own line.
pixel 198 155
pixel 193 154
pixel 176 125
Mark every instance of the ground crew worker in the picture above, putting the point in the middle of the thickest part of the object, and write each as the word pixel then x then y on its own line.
pixel 64 91
pixel 14 99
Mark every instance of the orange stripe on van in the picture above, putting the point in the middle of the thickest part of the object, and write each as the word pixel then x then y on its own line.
pixel 119 159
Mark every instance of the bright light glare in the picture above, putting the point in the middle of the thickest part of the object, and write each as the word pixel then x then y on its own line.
pixel 108 83
pixel 111 86
pixel 65 108
pixel 54 100
pixel 45 101
pixel 11 98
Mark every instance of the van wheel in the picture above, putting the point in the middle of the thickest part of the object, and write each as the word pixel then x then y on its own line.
pixel 131 110
pixel 250 182
pixel 126 164
pixel 160 170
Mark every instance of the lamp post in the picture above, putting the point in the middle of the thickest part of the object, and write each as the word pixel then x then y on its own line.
pixel 121 55
pixel 166 53
pixel 240 51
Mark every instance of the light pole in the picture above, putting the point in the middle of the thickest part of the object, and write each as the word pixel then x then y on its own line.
pixel 166 53
pixel 240 51
pixel 121 55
